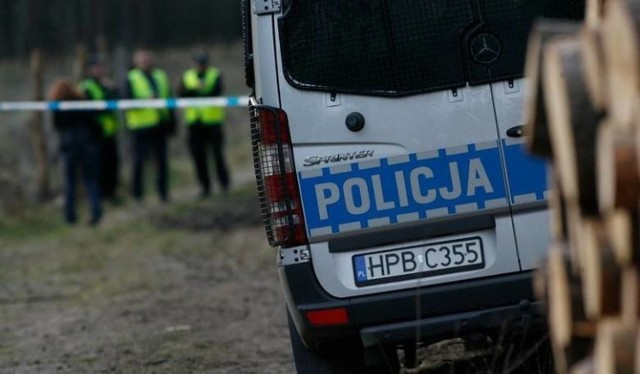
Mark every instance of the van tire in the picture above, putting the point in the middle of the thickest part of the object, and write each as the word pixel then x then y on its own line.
pixel 347 359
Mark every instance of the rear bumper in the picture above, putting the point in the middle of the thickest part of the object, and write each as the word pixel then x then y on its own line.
pixel 516 317
pixel 446 311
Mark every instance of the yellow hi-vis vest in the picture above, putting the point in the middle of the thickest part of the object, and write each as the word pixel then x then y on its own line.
pixel 141 88
pixel 204 115
pixel 107 119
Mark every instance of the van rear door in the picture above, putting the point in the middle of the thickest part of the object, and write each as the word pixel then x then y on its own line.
pixel 526 175
pixel 427 164
pixel 424 175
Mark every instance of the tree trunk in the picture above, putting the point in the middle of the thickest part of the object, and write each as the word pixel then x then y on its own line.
pixel 36 128
pixel 80 61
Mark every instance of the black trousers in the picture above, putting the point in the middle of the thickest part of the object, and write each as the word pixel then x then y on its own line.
pixel 204 137
pixel 83 158
pixel 150 141
pixel 110 165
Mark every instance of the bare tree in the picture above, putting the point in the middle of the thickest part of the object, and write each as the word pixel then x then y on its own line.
pixel 36 125
pixel 98 17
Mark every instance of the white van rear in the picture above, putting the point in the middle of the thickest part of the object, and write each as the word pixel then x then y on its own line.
pixel 391 171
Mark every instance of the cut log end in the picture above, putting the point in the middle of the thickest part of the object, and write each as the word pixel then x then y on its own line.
pixel 573 122
pixel 622 23
pixel 534 107
pixel 615 347
pixel 594 67
pixel 617 169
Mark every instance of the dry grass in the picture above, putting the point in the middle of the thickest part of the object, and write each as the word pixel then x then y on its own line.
pixel 138 295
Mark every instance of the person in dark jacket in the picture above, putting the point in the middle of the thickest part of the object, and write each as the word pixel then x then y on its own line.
pixel 80 146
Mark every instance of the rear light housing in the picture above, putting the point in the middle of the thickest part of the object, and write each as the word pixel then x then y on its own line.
pixel 328 317
pixel 274 166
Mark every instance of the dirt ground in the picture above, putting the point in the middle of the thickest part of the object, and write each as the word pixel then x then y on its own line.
pixel 189 287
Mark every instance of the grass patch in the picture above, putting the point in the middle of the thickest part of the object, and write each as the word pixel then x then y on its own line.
pixel 237 209
pixel 39 222
pixel 80 262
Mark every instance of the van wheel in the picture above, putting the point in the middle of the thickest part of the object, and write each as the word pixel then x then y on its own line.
pixel 344 358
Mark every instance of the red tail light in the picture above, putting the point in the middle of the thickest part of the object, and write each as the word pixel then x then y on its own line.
pixel 275 174
pixel 328 317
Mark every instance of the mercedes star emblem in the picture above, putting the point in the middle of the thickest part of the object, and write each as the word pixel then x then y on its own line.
pixel 485 48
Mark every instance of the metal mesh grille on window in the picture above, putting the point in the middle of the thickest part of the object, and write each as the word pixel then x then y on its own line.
pixel 399 47
pixel 511 21
pixel 274 174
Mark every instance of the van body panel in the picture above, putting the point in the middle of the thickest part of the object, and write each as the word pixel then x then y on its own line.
pixel 445 144
pixel 454 137
pixel 416 123
pixel 442 144
pixel 266 78
pixel 526 177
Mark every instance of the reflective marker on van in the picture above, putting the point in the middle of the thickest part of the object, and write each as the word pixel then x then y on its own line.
pixel 410 186
pixel 398 189
pixel 328 317
pixel 419 262
pixel 438 183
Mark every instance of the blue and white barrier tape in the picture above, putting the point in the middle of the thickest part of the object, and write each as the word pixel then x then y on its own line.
pixel 172 103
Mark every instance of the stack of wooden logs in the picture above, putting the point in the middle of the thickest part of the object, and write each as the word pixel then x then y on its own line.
pixel 583 114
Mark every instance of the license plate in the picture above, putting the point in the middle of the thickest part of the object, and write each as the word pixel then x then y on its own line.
pixel 423 261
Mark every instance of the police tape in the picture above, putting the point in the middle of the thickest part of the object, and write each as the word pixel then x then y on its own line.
pixel 171 103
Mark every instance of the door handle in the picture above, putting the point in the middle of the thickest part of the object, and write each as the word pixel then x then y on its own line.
pixel 516 131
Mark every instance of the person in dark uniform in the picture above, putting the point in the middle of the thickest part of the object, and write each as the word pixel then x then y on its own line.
pixel 80 135
pixel 205 123
pixel 150 127
pixel 96 86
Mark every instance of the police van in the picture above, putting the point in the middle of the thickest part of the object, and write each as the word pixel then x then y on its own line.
pixel 388 149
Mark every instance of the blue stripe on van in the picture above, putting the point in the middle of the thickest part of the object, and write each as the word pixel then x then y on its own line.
pixel 527 174
pixel 405 188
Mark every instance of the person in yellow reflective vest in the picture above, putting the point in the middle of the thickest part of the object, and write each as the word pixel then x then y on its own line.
pixel 149 127
pixel 97 86
pixel 205 123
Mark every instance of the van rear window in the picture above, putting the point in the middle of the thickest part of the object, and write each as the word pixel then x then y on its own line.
pixel 402 47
